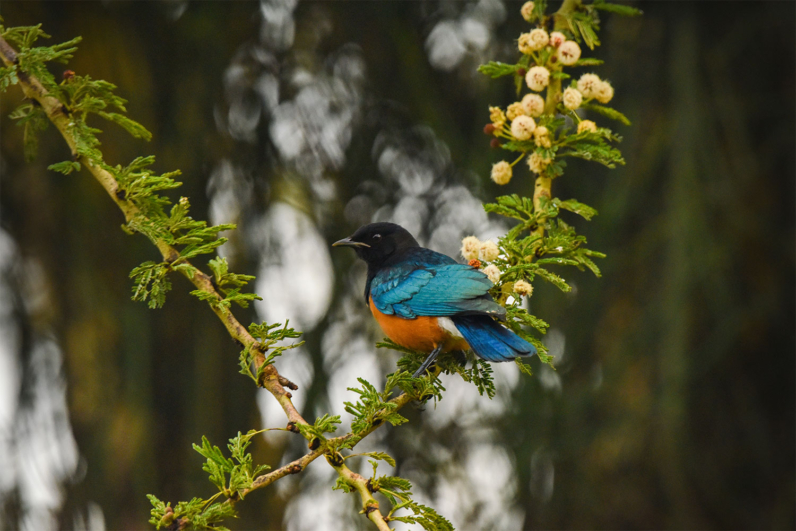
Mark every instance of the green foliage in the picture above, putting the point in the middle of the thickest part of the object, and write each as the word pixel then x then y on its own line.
pixel 196 514
pixel 495 69
pixel 399 492
pixel 322 425
pixel 32 119
pixel 66 167
pixel 619 9
pixel 150 282
pixel 8 77
pixel 608 112
pixel 239 467
pixel 268 335
pixel 372 408
pixel 232 476
pixel 230 283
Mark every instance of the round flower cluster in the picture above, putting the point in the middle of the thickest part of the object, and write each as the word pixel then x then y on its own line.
pixel 548 52
pixel 501 172
pixel 538 163
pixel 527 11
pixel 492 272
pixel 592 87
pixel 523 288
pixel 475 249
pixel 522 127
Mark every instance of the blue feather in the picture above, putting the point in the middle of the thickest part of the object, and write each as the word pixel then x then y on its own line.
pixel 490 340
pixel 432 284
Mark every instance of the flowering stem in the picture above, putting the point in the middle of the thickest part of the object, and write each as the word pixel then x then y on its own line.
pixel 543 184
pixel 518 159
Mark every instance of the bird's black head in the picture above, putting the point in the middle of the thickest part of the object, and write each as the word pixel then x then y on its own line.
pixel 377 242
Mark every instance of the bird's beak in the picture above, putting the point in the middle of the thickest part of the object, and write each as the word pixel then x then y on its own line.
pixel 348 242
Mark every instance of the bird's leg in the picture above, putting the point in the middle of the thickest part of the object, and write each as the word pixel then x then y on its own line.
pixel 429 360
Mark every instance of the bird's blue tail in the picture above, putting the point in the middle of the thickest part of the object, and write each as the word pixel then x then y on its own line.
pixel 490 340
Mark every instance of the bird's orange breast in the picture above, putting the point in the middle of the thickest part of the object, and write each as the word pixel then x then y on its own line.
pixel 422 333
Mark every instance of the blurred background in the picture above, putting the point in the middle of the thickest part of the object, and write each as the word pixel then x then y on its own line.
pixel 673 403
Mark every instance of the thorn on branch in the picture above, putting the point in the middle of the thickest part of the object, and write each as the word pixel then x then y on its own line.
pixel 369 485
pixel 291 426
pixel 370 508
pixel 288 394
pixel 295 469
pixel 284 382
pixel 335 459
pixel 121 194
pixel 376 422
pixel 315 443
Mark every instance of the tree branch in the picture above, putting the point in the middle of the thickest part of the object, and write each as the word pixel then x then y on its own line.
pixel 57 114
pixel 369 504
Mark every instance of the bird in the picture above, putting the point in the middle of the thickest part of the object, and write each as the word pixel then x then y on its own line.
pixel 427 301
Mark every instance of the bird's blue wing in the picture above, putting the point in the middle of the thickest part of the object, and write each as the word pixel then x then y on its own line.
pixel 437 289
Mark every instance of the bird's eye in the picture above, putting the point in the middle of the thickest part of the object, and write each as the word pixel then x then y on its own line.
pixel 376 237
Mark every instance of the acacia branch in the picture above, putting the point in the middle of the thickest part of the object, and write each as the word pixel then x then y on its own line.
pixel 58 114
pixel 369 504
pixel 543 185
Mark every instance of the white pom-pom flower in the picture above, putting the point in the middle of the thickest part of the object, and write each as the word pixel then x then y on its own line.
pixel 470 247
pixel 538 39
pixel 533 104
pixel 605 92
pixel 524 43
pixel 523 288
pixel 538 163
pixel 588 85
pixel 569 53
pixel 557 39
pixel 587 125
pixel 572 98
pixel 489 251
pixel 527 11
pixel 541 136
pixel 537 78
pixel 501 172
pixel 497 117
pixel 492 272
pixel 522 127
pixel 514 110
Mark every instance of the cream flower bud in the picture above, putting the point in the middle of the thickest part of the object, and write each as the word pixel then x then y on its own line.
pixel 569 53
pixel 523 288
pixel 488 251
pixel 541 135
pixel 470 247
pixel 537 163
pixel 587 125
pixel 524 43
pixel 514 110
pixel 497 117
pixel 557 39
pixel 537 78
pixel 605 92
pixel 588 85
pixel 572 98
pixel 539 39
pixel 522 127
pixel 492 272
pixel 533 104
pixel 527 11
pixel 501 172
